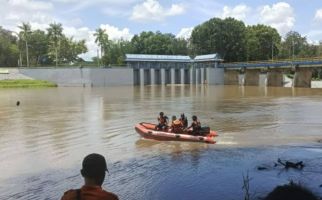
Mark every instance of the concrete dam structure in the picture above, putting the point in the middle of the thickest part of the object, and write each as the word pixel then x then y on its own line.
pixel 140 70
pixel 175 69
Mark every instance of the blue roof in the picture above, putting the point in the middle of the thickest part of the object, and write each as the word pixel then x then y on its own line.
pixel 208 57
pixel 170 58
pixel 158 58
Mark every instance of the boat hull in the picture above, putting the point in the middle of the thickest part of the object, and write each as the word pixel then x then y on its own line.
pixel 148 131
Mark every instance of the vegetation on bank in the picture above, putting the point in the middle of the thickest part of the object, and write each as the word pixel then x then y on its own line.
pixel 231 38
pixel 25 83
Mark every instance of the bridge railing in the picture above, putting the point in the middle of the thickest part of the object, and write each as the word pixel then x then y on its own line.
pixel 313 61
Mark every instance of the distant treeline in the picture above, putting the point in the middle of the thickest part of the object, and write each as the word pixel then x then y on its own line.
pixel 38 48
pixel 231 38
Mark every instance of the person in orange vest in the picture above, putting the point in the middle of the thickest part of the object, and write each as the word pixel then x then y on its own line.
pixel 163 122
pixel 176 125
pixel 93 170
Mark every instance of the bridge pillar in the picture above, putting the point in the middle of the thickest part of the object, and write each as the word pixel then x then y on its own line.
pixel 198 75
pixel 193 75
pixel 152 76
pixel 141 76
pixel 173 81
pixel 202 74
pixel 251 77
pixel 162 76
pixel 182 77
pixel 302 77
pixel 275 77
pixel 231 77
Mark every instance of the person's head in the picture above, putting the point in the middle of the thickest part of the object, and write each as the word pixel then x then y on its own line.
pixel 161 114
pixel 94 168
pixel 290 191
pixel 174 117
pixel 194 118
pixel 182 116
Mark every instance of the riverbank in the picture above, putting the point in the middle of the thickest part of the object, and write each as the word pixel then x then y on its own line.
pixel 25 83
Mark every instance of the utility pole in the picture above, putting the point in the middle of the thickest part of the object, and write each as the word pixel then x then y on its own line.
pixel 272 50
pixel 98 58
pixel 292 49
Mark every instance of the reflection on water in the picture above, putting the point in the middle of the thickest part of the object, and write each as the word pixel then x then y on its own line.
pixel 44 139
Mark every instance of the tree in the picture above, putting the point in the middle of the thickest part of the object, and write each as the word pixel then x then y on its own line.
pixel 292 45
pixel 224 36
pixel 70 49
pixel 101 40
pixel 25 33
pixel 158 43
pixel 38 47
pixel 55 33
pixel 262 42
pixel 9 52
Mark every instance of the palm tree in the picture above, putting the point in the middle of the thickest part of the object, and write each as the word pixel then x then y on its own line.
pixel 25 33
pixel 101 40
pixel 55 33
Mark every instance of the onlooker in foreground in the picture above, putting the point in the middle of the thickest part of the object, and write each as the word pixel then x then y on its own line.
pixel 291 191
pixel 93 171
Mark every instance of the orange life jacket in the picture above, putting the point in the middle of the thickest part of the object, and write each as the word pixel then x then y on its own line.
pixel 177 126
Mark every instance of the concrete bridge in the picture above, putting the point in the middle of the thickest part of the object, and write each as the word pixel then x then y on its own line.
pixel 274 71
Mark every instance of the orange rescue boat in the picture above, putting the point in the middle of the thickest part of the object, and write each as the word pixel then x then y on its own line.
pixel 148 130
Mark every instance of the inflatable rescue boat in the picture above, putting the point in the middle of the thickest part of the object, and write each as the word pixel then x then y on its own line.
pixel 148 130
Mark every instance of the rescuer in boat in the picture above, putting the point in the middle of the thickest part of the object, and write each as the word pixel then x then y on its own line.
pixel 176 125
pixel 184 121
pixel 195 125
pixel 163 122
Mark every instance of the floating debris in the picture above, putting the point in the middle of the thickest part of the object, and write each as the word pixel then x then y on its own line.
pixel 289 164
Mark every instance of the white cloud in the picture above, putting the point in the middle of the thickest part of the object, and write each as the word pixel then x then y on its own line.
pixel 279 16
pixel 84 33
pixel 115 33
pixel 13 12
pixel 30 4
pixel 185 33
pixel 152 10
pixel 318 15
pixel 238 12
pixel 314 36
pixel 78 5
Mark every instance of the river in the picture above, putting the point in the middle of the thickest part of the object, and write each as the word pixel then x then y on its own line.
pixel 43 141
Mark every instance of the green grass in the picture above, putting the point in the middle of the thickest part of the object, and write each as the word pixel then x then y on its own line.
pixel 25 83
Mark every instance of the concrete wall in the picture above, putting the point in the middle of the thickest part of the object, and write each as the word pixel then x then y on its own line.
pixel 123 76
pixel 215 76
pixel 83 76
pixel 111 76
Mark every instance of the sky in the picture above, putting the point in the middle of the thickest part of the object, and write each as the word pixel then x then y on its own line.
pixel 125 18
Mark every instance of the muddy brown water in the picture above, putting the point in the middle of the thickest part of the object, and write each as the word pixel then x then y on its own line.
pixel 43 141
